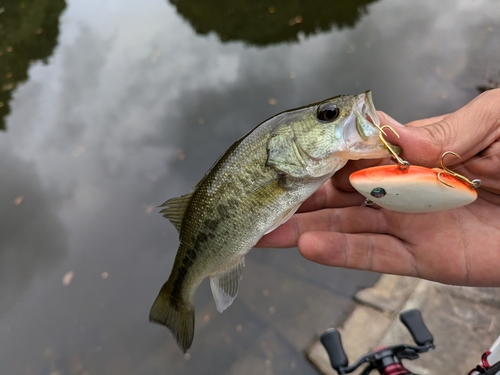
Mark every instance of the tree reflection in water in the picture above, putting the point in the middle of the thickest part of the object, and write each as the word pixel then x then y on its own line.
pixel 267 22
pixel 28 33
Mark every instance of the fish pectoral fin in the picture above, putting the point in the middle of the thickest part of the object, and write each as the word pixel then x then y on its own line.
pixel 175 208
pixel 224 284
pixel 283 218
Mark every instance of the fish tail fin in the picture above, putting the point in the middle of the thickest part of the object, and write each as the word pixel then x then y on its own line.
pixel 178 316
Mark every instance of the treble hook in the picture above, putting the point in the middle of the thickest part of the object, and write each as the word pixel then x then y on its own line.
pixel 403 165
pixel 474 184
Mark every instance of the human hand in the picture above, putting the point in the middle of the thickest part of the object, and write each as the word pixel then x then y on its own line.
pixel 459 246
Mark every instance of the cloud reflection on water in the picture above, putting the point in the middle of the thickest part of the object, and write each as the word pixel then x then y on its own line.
pixel 32 237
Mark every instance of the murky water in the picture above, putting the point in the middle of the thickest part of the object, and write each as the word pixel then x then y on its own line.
pixel 108 108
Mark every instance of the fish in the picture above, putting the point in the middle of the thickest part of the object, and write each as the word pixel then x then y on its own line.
pixel 257 185
pixel 416 190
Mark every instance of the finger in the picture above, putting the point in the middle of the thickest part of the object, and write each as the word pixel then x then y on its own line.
pixel 341 178
pixel 285 236
pixel 466 132
pixel 484 167
pixel 328 196
pixel 385 119
pixel 427 121
pixel 492 196
pixel 373 252
pixel 347 220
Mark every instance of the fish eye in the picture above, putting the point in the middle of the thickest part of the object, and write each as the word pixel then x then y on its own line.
pixel 328 112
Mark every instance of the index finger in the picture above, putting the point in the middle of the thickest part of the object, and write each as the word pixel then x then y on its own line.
pixel 385 119
pixel 347 220
pixel 330 196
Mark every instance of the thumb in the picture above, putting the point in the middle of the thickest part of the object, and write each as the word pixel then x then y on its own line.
pixel 466 132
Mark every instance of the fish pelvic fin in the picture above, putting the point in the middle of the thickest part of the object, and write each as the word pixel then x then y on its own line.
pixel 177 316
pixel 224 284
pixel 175 208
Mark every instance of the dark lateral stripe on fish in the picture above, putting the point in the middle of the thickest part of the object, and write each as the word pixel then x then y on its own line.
pixel 176 294
pixel 187 262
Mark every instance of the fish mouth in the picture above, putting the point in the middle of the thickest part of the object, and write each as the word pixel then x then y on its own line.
pixel 362 135
pixel 367 121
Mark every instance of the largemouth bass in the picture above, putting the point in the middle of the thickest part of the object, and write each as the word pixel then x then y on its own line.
pixel 253 188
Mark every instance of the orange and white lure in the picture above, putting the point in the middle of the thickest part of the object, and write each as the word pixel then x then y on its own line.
pixel 414 189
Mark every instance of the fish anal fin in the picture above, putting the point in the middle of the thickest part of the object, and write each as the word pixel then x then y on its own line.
pixel 175 208
pixel 224 284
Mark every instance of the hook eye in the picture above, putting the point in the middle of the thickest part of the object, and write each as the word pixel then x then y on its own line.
pixel 474 184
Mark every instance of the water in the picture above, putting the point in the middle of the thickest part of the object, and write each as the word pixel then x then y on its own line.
pixel 111 107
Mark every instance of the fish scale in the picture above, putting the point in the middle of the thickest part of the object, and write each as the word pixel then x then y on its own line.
pixel 254 187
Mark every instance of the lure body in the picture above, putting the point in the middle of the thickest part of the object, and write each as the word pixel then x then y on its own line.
pixel 415 190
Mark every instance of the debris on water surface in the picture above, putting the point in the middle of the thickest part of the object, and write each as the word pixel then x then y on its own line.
pixel 180 154
pixel 67 278
pixel 295 20
pixel 155 54
pixel 80 150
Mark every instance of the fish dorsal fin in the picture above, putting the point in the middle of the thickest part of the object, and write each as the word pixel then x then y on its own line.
pixel 175 208
pixel 225 284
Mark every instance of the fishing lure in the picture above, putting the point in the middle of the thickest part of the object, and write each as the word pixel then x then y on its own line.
pixel 413 189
